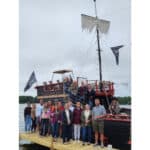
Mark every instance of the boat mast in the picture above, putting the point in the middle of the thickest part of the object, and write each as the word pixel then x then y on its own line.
pixel 99 50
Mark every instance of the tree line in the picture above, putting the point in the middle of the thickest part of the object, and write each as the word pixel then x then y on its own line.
pixel 25 99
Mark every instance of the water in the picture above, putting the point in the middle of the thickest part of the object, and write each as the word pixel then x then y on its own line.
pixel 23 144
pixel 26 145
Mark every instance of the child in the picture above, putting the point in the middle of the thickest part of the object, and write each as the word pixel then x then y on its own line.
pixel 44 121
pixel 77 121
pixel 86 121
pixel 27 117
pixel 33 116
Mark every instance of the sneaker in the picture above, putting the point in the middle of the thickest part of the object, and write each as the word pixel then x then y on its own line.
pixel 96 144
pixel 83 143
pixel 78 141
pixel 88 143
pixel 102 145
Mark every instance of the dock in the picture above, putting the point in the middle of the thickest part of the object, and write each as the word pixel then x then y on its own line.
pixel 47 142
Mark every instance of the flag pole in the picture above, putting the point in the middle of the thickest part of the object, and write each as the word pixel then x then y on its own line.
pixel 99 50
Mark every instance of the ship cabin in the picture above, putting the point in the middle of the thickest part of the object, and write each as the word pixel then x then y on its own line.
pixel 55 90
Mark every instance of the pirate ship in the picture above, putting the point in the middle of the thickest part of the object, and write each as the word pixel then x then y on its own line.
pixel 117 127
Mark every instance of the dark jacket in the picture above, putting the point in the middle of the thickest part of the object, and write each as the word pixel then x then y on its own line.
pixel 77 116
pixel 64 117
pixel 27 111
pixel 83 119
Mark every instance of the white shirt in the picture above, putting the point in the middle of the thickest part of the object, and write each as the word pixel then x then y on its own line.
pixel 39 110
pixel 86 113
pixel 71 108
pixel 67 114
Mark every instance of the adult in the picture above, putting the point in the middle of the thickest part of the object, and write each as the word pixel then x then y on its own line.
pixel 39 110
pixel 27 117
pixel 82 92
pixel 66 123
pixel 60 109
pixel 54 119
pixel 70 105
pixel 44 126
pixel 114 107
pixel 86 123
pixel 98 123
pixel 77 121
pixel 33 116
pixel 90 96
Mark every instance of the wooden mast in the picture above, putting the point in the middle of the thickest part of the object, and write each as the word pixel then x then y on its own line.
pixel 99 50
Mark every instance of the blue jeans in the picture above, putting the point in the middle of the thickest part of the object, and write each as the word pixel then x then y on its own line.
pixel 44 126
pixel 86 133
pixel 55 129
pixel 28 123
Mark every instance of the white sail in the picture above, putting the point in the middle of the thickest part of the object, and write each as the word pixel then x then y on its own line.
pixel 89 23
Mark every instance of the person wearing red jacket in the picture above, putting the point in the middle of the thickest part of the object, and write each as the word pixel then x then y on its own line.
pixel 77 121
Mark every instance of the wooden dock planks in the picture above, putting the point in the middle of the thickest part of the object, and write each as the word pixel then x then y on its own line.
pixel 47 142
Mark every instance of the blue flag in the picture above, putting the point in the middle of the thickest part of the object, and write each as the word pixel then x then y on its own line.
pixel 30 82
pixel 115 51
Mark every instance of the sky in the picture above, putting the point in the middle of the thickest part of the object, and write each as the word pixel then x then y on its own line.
pixel 51 38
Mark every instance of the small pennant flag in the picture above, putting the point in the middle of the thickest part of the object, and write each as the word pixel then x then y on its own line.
pixel 30 82
pixel 115 51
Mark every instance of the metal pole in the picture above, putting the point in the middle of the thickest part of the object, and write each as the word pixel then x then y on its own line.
pixel 99 50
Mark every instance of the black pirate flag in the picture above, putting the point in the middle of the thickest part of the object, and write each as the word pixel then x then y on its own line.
pixel 30 82
pixel 115 51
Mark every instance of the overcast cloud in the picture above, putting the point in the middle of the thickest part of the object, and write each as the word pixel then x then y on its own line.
pixel 51 38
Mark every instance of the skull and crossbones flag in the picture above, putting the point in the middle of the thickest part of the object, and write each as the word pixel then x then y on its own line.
pixel 115 51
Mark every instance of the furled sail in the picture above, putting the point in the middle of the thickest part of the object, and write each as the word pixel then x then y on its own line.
pixel 89 23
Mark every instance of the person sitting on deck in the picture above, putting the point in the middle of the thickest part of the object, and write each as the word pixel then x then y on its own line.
pixel 114 107
pixel 98 123
pixel 82 92
pixel 77 121
pixel 27 117
pixel 90 96
pixel 67 84
pixel 86 123
pixel 66 123
pixel 44 120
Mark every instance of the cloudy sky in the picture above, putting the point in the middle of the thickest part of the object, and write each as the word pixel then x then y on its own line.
pixel 51 38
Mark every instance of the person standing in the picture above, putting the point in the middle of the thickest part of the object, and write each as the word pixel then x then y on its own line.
pixel 44 125
pixel 54 119
pixel 86 123
pixel 77 121
pixel 27 117
pixel 98 123
pixel 60 109
pixel 39 110
pixel 66 123
pixel 71 107
pixel 33 116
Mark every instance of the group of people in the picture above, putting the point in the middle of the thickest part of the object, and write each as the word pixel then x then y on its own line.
pixel 67 121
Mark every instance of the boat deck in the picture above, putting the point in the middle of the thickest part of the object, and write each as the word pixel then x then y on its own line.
pixel 47 142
